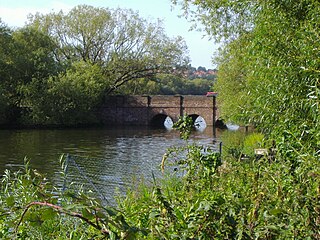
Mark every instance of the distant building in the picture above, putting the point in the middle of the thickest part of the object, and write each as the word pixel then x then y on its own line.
pixel 201 72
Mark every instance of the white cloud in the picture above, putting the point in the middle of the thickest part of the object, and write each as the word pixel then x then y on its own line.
pixel 18 16
pixel 201 50
pixel 14 17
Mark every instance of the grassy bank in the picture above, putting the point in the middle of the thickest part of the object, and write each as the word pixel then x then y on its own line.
pixel 204 196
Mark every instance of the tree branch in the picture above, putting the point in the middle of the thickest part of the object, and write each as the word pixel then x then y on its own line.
pixel 61 210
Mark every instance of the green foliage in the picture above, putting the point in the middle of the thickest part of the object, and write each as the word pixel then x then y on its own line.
pixel 5 45
pixel 237 144
pixel 231 84
pixel 184 125
pixel 200 197
pixel 197 162
pixel 221 19
pixel 252 142
pixel 3 107
pixel 238 200
pixel 46 65
pixel 176 208
pixel 32 209
pixel 26 55
pixel 271 55
pixel 286 79
pixel 232 144
pixel 72 97
pixel 167 84
pixel 268 67
pixel 125 45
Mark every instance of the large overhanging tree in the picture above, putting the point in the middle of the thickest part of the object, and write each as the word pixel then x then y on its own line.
pixel 25 56
pixel 222 20
pixel 123 44
pixel 270 62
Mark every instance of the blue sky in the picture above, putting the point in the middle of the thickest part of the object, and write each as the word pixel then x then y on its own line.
pixel 14 14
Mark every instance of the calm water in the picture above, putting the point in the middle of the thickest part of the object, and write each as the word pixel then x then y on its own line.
pixel 110 158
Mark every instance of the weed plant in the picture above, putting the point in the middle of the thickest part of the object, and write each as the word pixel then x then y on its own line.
pixel 253 199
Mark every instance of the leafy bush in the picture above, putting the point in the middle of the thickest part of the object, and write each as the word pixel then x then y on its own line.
pixel 32 209
pixel 239 200
pixel 242 200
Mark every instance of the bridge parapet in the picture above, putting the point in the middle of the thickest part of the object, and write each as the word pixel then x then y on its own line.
pixel 165 101
pixel 126 101
pixel 195 101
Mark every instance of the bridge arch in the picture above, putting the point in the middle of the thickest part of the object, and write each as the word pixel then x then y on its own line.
pixel 161 121
pixel 198 121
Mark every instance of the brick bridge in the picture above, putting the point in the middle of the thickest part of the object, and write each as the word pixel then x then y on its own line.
pixel 153 110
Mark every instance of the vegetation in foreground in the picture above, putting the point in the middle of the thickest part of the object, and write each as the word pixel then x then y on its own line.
pixel 203 198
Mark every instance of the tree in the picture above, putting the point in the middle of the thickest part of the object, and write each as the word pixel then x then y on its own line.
pixel 285 72
pixel 25 55
pixel 5 42
pixel 32 64
pixel 231 84
pixel 124 45
pixel 271 53
pixel 168 84
pixel 57 68
pixel 73 96
pixel 200 68
pixel 222 20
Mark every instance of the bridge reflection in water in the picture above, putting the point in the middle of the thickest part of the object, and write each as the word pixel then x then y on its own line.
pixel 158 110
pixel 168 123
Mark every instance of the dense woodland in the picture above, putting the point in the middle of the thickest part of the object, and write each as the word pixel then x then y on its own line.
pixel 269 77
pixel 58 67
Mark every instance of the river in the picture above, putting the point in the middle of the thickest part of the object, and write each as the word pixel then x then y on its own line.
pixel 109 158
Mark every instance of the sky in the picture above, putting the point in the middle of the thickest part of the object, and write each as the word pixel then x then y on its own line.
pixel 14 13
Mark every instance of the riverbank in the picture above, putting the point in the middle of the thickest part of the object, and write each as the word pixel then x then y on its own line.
pixel 214 198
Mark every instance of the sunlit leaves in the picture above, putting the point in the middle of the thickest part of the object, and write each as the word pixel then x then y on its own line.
pixel 222 20
pixel 232 80
pixel 70 97
pixel 268 69
pixel 29 211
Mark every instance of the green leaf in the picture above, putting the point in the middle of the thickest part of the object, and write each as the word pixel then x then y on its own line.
pixel 87 214
pixel 48 214
pixel 101 214
pixel 178 214
pixel 276 211
pixel 154 214
pixel 111 212
pixel 10 201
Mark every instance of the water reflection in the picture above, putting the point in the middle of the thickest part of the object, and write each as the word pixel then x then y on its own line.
pixel 232 127
pixel 168 123
pixel 200 124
